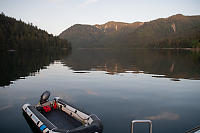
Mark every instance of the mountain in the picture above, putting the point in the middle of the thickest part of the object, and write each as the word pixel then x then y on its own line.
pixel 95 35
pixel 86 34
pixel 17 35
pixel 174 32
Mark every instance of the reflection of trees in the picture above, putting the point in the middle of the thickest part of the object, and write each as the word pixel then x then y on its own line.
pixel 171 63
pixel 15 65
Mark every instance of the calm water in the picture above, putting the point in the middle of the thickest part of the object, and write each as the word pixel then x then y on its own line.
pixel 118 86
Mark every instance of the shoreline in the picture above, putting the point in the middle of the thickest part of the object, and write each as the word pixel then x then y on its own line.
pixel 192 49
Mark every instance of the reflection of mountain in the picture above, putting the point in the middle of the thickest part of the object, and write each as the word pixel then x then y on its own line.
pixel 15 65
pixel 170 63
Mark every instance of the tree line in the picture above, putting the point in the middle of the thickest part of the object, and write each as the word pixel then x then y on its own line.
pixel 18 35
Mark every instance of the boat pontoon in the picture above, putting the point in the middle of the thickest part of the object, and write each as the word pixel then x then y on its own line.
pixel 58 116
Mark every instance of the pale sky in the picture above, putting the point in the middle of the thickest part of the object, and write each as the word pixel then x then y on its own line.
pixel 55 16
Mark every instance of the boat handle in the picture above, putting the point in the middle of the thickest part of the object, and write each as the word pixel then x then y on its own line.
pixel 141 121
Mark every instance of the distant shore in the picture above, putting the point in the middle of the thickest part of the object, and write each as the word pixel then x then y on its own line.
pixel 191 49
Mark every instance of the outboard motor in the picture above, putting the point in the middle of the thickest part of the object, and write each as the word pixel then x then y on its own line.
pixel 44 97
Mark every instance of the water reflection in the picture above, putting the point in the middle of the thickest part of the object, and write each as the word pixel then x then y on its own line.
pixel 174 64
pixel 164 116
pixel 115 85
pixel 19 64
pixel 6 107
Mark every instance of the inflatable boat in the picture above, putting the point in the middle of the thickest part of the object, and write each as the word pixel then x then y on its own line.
pixel 58 116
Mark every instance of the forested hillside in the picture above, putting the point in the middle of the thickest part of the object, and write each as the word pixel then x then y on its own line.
pixel 18 35
pixel 97 35
pixel 177 31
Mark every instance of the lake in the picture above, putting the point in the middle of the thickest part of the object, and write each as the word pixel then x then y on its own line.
pixel 117 85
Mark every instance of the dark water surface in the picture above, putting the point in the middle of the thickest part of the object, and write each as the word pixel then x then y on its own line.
pixel 118 86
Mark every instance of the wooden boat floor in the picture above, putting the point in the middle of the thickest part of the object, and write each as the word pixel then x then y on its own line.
pixel 62 120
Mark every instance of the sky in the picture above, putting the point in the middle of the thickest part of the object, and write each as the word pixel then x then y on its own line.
pixel 55 16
